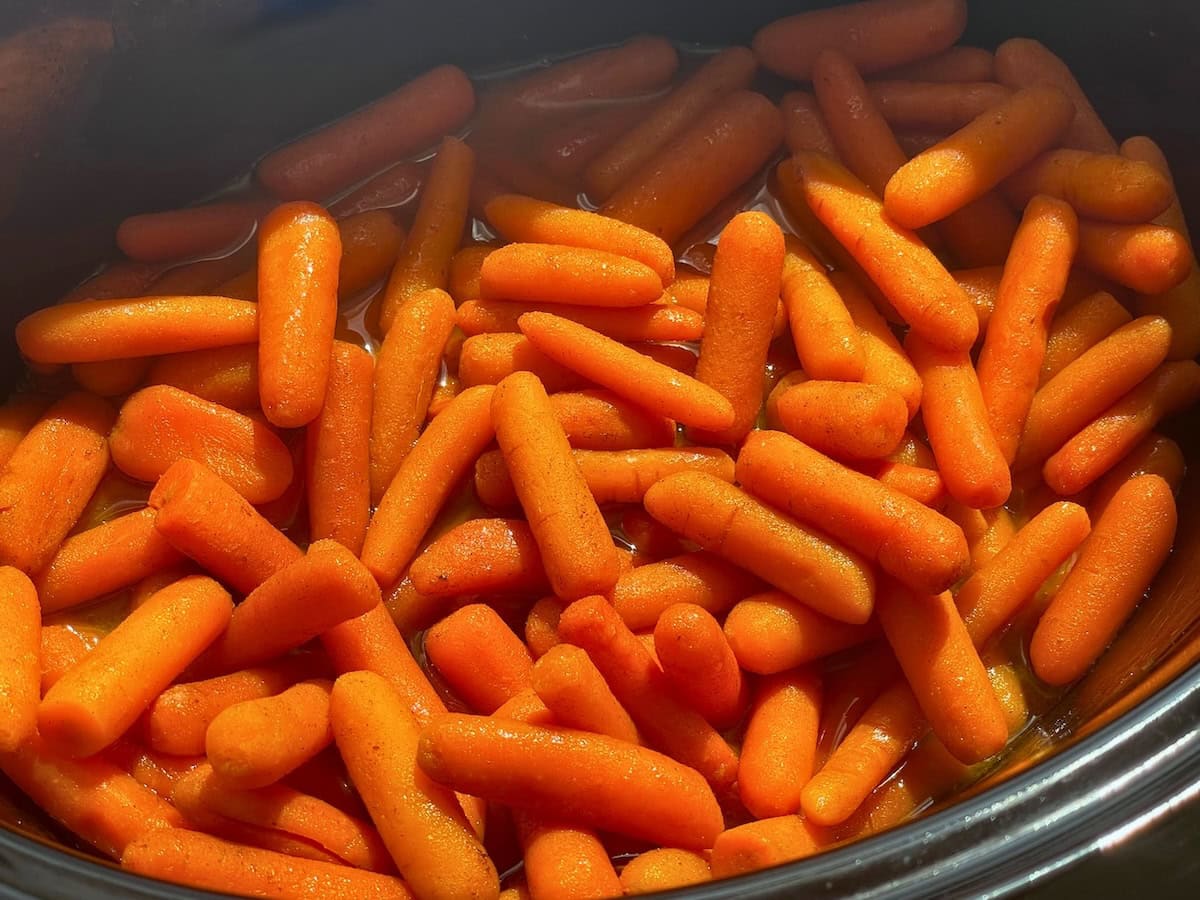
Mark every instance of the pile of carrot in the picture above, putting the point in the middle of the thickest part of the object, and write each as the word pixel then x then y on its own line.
pixel 405 529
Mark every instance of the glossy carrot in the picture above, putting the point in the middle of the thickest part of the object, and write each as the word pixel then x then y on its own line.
pixel 1107 187
pixel 772 632
pixel 822 329
pixel 566 149
pixel 576 694
pixel 227 376
pixel 20 659
pixel 1150 259
pixel 602 420
pixel 564 862
pixel 17 417
pixel 541 626
pixel 1116 564
pixel 122 278
pixel 111 377
pixel 803 126
pixel 481 556
pixel 728 143
pixel 763 844
pixel 842 419
pixel 1154 455
pixel 589 779
pixel 61 647
pixel 980 233
pixel 49 477
pixel 653 322
pixel 395 186
pixel 698 578
pixel 699 663
pixel 1078 327
pixel 479 657
pixel 410 118
pixel 370 244
pixel 664 869
pixel 204 276
pixel 780 744
pixel 465 268
pixel 918 105
pixel 185 233
pixel 557 273
pixel 438 461
pixel 487 359
pixel 878 34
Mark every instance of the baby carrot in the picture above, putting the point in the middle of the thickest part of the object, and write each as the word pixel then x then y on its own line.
pixel 1035 275
pixel 980 233
pixel 579 559
pixel 919 105
pixel 424 259
pixel 479 657
pixel 697 578
pixel 563 862
pixel 909 541
pixel 157 771
pixel 1154 455
pixel 525 706
pixel 921 484
pixel 490 358
pixel 803 126
pixel 161 425
pixel 112 555
pixel 1116 563
pixel 904 269
pixel 557 273
pixel 421 822
pixel 727 521
pixel 204 276
pixel 481 556
pixel 1022 62
pixel 119 279
pixel 395 186
pixel 186 233
pixel 956 64
pixel 822 329
pixel 328 585
pixel 575 692
pixel 299 249
pixel 61 647
pixel 202 861
pixel 653 322
pixel 969 457
pixel 17 417
pixel 1106 187
pixel 541 626
pixel 763 844
pixel 1078 327
pixel 407 367
pixel 640 685
pixel 700 166
pixel 20 659
pixel 438 461
pixel 49 477
pixel 651 541
pixel 465 271
pixel 663 869
pixel 843 419
pixel 565 150
pixel 780 744
pixel 773 632
pixel 977 157
pixel 886 732
pixel 227 376
pixel 110 377
pixel 370 244
pixel 95 702
pixel 879 34
pixel 729 70
pixel 409 119
pixel 581 778
pixel 742 295
pixel 1101 444
pixel 1150 259
pixel 944 670
pixel 699 663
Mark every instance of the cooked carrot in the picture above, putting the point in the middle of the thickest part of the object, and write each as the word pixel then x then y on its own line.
pixel 200 860
pixel 697 578
pixel 1035 275
pixel 110 377
pixel 772 632
pixel 17 417
pixel 227 376
pixel 944 670
pixel 1106 187
pixel 640 685
pixel 481 556
pixel 1154 455
pixel 1150 259
pixel 909 275
pixel 438 461
pixel 299 249
pixel 958 63
pixel 995 591
pixel 1097 447
pixel 921 484
pixel 909 541
pixel 923 105
pixel 699 664
pixel 822 329
pixel 541 626
pixel 157 771
pixel 395 186
pixel 185 233
pixel 1116 564
pixel 981 284
pixel 92 798
pixel 102 559
pixel 700 166
pixel 729 70
pixel 487 359
pixel 328 585
pixel 408 119
pixel 204 276
pixel 866 672
pixel 575 692
pixel 118 279
pixel 584 778
pixel 564 862
pixel 479 657
pixel 1022 62
pixel 663 869
pixel 780 744
pixel 465 271
pixel 1079 327
pixel 725 520
pixel 969 457
pixel 803 126
pixel 844 420
pixel 20 659
pixel 763 844
pixel 97 700
pixel 525 706
pixel 257 742
pixel 653 322
pixel 370 244
pixel 565 150
pixel 557 273
pixel 62 646
pixel 878 34
pixel 1090 384
pixel 602 420
pixel 49 477
pixel 979 234
pixel 161 425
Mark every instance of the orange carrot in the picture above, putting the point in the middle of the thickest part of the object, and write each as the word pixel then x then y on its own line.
pixel 763 844
pixel 602 420
pixel 370 243
pixel 481 556
pixel 441 457
pixel 626 372
pixel 908 274
pixel 118 279
pixel 803 126
pixel 699 578
pixel 565 150
pixel 20 659
pixel 395 186
pixel 1150 259
pixel 328 585
pixel 299 249
pixel 921 484
pixel 111 377
pixel 96 701
pixel 958 63
pixel 557 273
pixel 1022 62
pixel 185 233
pixel 525 706
pixel 969 457
pixel 575 692
pixel 490 358
pixel 1079 327
pixel 479 657
pixel 700 166
pixel 227 376
pixel 1107 187
pixel 653 322
pixel 780 744
pixel 410 118
pixel 17 417
pixel 157 771
pixel 981 284
pixel 564 862
pixel 822 329
pixel 466 267
pixel 1154 455
pixel 640 685
pixel 664 869
pixel 541 626
pixel 725 520
pixel 49 477
pixel 980 233
pixel 844 420
pixel 1101 444
pixel 729 70
pixel 920 105
pixel 102 559
pixel 204 276
pixel 699 663
pixel 583 778
pixel 1116 564
pixel 942 666
pixel 772 632
pixel 62 646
